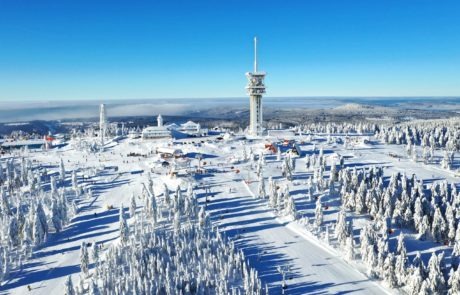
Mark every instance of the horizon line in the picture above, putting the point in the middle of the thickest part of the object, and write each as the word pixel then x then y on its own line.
pixel 228 97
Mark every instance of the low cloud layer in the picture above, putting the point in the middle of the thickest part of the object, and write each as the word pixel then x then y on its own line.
pixel 57 110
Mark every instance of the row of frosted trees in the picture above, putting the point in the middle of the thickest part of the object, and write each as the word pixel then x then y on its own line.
pixel 31 207
pixel 167 247
pixel 338 128
pixel 434 133
pixel 429 136
pixel 278 195
pixel 432 212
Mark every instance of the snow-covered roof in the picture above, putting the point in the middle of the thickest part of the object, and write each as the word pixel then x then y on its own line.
pixel 172 126
pixel 190 124
pixel 23 142
pixel 281 134
pixel 155 129
pixel 167 150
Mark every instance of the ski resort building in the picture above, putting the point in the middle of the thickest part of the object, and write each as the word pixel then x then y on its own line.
pixel 29 143
pixel 153 132
pixel 133 134
pixel 281 134
pixel 167 152
pixel 159 131
pixel 190 127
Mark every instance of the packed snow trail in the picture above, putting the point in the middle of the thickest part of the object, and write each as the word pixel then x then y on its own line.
pixel 268 244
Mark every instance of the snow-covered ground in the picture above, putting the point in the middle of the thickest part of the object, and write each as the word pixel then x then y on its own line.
pixel 272 243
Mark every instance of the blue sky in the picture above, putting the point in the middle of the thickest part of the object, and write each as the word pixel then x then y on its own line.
pixel 165 49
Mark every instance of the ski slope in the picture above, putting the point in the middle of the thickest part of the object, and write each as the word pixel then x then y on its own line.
pixel 269 242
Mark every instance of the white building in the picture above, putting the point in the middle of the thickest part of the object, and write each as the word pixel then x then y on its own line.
pixel 133 134
pixel 190 127
pixel 173 126
pixel 160 121
pixel 167 152
pixel 159 131
pixel 155 132
pixel 282 134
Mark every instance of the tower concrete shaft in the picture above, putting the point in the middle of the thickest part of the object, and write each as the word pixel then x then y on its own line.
pixel 102 123
pixel 160 121
pixel 255 89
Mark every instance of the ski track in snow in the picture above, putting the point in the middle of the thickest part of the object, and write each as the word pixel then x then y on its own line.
pixel 269 244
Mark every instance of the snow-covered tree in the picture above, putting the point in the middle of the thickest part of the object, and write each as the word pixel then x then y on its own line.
pixel 291 208
pixel 62 171
pixel 38 231
pixel 455 261
pixel 350 248
pixel 446 161
pixel 166 194
pixel 341 227
pixel 93 288
pixel 425 288
pixel 151 207
pixel 327 235
pixel 53 185
pixel 360 198
pixel 319 213
pixel 13 231
pixel 415 282
pixel 133 206
pixel 84 259
pixel 389 273
pixel 203 219
pixel 366 240
pixel 75 186
pixel 424 228
pixel 454 282
pixel 177 221
pixel 418 214
pixel 2 177
pixel 401 261
pixel 124 229
pixel 68 287
pixel 150 183
pixel 438 227
pixel 56 217
pixel 261 189
pixel 95 256
pixel 286 169
pixel 435 276
pixel 273 193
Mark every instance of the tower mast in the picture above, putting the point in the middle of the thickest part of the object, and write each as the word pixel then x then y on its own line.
pixel 255 54
pixel 255 89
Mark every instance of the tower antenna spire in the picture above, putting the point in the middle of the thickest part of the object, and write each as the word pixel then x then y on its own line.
pixel 256 89
pixel 255 54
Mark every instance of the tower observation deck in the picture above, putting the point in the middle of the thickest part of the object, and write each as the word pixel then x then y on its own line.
pixel 255 90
